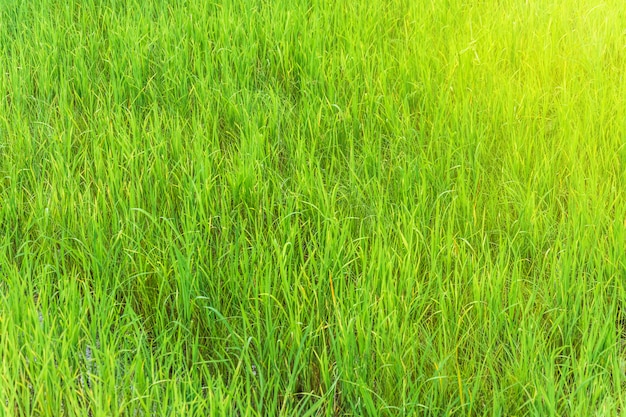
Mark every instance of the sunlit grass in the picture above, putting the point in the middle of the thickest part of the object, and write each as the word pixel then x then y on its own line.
pixel 312 208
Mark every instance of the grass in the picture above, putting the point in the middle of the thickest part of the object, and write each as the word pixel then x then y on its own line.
pixel 313 208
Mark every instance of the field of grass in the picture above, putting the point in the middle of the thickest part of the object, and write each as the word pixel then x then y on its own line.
pixel 312 208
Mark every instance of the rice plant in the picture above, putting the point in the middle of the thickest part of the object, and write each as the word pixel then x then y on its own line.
pixel 312 208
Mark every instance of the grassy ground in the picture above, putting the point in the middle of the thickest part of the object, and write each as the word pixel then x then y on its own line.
pixel 312 208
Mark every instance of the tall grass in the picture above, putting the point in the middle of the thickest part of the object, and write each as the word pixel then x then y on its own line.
pixel 312 208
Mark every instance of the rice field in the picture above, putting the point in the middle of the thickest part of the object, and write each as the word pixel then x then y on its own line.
pixel 312 208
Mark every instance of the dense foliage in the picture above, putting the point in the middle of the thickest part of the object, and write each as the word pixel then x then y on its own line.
pixel 312 207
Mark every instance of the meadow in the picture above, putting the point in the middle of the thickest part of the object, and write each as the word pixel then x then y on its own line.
pixel 312 208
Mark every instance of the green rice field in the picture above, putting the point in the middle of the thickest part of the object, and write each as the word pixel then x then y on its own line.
pixel 312 208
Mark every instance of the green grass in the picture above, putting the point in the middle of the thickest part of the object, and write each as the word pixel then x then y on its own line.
pixel 312 208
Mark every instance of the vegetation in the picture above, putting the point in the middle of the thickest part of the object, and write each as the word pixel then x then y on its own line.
pixel 312 208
